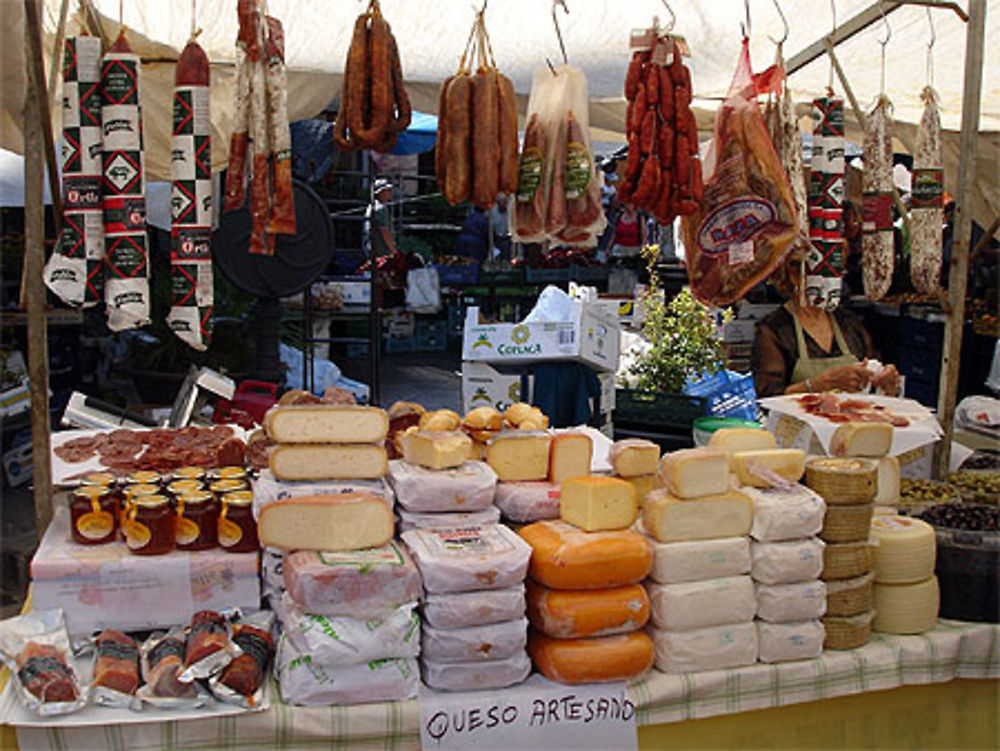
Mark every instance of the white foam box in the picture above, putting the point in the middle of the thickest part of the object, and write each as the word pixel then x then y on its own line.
pixel 590 336
pixel 485 386
pixel 106 586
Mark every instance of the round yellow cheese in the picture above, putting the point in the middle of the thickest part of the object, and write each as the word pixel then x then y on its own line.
pixel 906 608
pixel 905 549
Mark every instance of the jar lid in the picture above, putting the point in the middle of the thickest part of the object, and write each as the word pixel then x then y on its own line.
pixel 91 491
pixel 140 489
pixel 143 476
pixel 98 478
pixel 195 497
pixel 181 487
pixel 220 487
pixel 189 473
pixel 150 501
pixel 229 473
pixel 238 498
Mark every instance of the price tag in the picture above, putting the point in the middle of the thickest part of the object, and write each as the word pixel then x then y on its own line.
pixel 741 253
pixel 536 714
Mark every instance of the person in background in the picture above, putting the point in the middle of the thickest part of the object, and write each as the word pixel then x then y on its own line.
pixel 630 233
pixel 474 239
pixel 500 222
pixel 378 239
pixel 852 250
pixel 801 349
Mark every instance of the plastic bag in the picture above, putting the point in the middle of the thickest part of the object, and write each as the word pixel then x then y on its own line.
pixel 747 221
pixel 423 290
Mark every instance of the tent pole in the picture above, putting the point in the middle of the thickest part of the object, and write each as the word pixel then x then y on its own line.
pixel 35 125
pixel 961 235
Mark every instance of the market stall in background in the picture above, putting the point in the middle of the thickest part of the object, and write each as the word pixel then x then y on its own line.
pixel 613 531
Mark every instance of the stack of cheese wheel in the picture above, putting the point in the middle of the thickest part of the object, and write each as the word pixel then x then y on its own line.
pixel 906 596
pixel 786 557
pixel 347 594
pixel 586 602
pixel 637 461
pixel 532 464
pixel 474 632
pixel 436 483
pixel 857 475
pixel 702 596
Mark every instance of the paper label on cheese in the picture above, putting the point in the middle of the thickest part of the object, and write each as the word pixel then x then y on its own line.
pixel 387 555
pixel 467 541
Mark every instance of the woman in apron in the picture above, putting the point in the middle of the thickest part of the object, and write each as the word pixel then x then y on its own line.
pixel 801 349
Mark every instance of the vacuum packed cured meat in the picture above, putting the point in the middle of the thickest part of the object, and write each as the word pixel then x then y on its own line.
pixel 163 663
pixel 926 216
pixel 190 316
pixel 208 634
pixel 746 223
pixel 825 262
pixel 374 106
pixel 876 239
pixel 126 287
pixel 117 666
pixel 42 670
pixel 75 270
pixel 241 680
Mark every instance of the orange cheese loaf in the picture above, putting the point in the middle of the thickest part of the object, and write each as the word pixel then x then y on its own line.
pixel 595 660
pixel 573 614
pixel 564 557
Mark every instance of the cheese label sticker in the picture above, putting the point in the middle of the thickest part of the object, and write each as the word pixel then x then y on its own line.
pixel 122 127
pixel 187 531
pixel 896 523
pixel 230 533
pixel 95 525
pixel 137 534
pixel 467 541
pixel 387 555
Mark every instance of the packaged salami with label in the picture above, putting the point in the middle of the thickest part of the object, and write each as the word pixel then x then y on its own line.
pixel 464 559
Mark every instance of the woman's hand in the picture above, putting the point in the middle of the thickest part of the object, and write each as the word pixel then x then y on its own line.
pixel 887 380
pixel 851 378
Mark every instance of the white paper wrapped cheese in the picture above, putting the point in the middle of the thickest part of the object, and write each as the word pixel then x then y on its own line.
pixel 411 520
pixel 494 641
pixel 339 641
pixel 787 603
pixel 464 609
pixel 693 605
pixel 782 642
pixel 469 487
pixel 714 648
pixel 272 563
pixel 268 489
pixel 526 502
pixel 785 513
pixel 787 562
pixel 476 676
pixel 678 562
pixel 464 559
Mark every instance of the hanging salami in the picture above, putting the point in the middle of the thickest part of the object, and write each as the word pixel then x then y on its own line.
pixel 281 220
pixel 926 216
pixel 876 238
pixel 126 288
pixel 75 271
pixel 190 315
pixel 825 261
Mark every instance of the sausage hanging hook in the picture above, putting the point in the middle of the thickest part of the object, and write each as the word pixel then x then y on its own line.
pixel 673 17
pixel 745 25
pixel 833 31
pixel 784 21
pixel 884 42
pixel 555 22
pixel 930 49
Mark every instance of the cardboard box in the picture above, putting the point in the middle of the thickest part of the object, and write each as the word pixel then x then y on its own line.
pixel 106 586
pixel 484 386
pixel 591 336
pixel 739 330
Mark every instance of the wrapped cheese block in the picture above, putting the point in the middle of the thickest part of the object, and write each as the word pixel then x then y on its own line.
pixel 307 683
pixel 476 676
pixel 634 457
pixel 565 557
pixel 700 604
pixel 493 641
pixel 785 603
pixel 357 583
pixel 468 558
pixel 272 577
pixel 668 518
pixel 595 660
pixel 695 473
pixel 785 513
pixel 782 642
pixel 347 521
pixel 787 562
pixel 464 609
pixel 269 489
pixel 411 520
pixel 573 614
pixel 326 423
pixel 757 468
pixel 469 487
pixel 677 562
pixel 328 461
pixel 334 641
pixel 714 648
pixel 526 502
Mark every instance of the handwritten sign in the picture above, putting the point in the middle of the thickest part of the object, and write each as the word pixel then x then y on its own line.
pixel 536 714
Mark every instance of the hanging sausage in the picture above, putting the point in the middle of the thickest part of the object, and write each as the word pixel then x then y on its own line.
pixel 926 219
pixel 825 262
pixel 876 239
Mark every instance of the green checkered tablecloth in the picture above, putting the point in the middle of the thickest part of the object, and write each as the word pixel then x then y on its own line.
pixel 952 650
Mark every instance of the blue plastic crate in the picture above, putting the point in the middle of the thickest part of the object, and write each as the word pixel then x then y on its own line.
pixel 729 394
pixel 457 276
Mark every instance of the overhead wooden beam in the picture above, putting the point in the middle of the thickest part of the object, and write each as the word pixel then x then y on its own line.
pixel 958 273
pixel 841 34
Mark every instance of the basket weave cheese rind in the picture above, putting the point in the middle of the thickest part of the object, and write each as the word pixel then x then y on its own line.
pixel 328 461
pixel 906 549
pixel 843 481
pixel 847 632
pixel 846 523
pixel 326 423
pixel 848 597
pixel 846 560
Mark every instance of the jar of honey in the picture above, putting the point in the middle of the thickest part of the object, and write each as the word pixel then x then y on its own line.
pixel 190 473
pixel 220 488
pixel 148 525
pixel 144 477
pixel 182 487
pixel 229 473
pixel 93 515
pixel 197 519
pixel 237 528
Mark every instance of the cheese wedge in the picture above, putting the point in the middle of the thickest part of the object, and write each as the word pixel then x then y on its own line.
pixel 345 521
pixel 328 461
pixel 667 518
pixel 564 557
pixel 436 450
pixel 887 490
pixel 326 423
pixel 742 439
pixel 633 457
pixel 693 473
pixel 598 503
pixel 569 456
pixel 789 464
pixel 595 660
pixel 518 456
pixel 871 439
pixel 573 614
